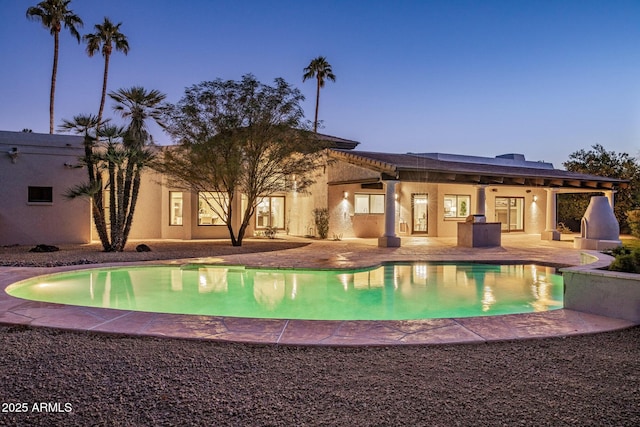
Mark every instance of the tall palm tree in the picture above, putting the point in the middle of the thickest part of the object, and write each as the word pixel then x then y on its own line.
pixel 319 69
pixel 108 37
pixel 53 14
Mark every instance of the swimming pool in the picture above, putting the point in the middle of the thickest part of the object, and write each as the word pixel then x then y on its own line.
pixel 392 291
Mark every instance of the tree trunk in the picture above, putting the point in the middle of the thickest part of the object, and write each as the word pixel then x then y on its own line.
pixel 315 123
pixel 54 71
pixel 132 207
pixel 104 87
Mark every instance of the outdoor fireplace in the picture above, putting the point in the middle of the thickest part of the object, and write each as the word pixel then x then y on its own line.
pixel 599 228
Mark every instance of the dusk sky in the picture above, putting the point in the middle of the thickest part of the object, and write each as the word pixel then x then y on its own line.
pixel 541 78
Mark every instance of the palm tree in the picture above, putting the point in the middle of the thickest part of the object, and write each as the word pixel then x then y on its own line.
pixel 321 70
pixel 53 14
pixel 137 105
pixel 87 125
pixel 107 37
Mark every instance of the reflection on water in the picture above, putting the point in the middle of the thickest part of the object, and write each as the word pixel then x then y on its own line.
pixel 391 291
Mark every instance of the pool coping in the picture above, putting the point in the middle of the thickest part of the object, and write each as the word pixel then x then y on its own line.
pixel 561 322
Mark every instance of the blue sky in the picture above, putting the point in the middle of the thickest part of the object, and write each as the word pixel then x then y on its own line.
pixel 541 78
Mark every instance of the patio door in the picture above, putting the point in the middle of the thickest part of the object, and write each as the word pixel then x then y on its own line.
pixel 270 213
pixel 419 213
pixel 510 212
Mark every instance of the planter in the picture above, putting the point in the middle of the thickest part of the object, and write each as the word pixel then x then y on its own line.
pixel 606 293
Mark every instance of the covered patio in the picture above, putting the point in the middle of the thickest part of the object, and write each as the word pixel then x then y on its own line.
pixel 528 189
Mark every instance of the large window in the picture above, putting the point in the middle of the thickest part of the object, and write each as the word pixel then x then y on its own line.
pixel 270 213
pixel 40 195
pixel 369 203
pixel 456 205
pixel 175 201
pixel 212 208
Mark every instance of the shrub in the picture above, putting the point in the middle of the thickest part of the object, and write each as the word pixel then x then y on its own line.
pixel 626 261
pixel 633 219
pixel 321 216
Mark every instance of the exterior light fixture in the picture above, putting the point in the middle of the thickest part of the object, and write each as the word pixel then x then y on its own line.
pixel 396 196
pixel 535 198
pixel 13 153
pixel 345 195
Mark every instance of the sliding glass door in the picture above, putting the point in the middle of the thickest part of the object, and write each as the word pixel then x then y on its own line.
pixel 510 212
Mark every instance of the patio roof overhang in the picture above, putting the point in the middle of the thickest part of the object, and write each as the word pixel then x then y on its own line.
pixel 416 168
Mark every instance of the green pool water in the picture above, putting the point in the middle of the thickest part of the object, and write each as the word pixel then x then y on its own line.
pixel 393 291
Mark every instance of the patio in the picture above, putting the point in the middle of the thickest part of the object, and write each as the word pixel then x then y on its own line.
pixel 328 254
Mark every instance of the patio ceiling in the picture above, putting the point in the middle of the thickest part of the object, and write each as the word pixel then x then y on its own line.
pixel 416 168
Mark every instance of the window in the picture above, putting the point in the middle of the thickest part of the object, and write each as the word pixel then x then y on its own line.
pixel 175 201
pixel 456 206
pixel 40 195
pixel 369 203
pixel 270 212
pixel 212 208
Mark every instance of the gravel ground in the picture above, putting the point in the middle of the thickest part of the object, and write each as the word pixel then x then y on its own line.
pixel 59 378
pixel 19 256
pixel 107 380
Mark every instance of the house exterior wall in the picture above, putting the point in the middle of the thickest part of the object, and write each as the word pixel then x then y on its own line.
pixel 52 160
pixel 40 162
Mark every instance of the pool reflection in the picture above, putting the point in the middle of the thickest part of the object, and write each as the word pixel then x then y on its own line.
pixel 390 291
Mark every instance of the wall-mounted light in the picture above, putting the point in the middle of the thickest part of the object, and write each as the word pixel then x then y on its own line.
pixel 345 195
pixel 396 196
pixel 535 199
pixel 13 153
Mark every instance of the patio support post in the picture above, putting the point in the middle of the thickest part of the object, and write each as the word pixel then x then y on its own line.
pixel 481 200
pixel 551 232
pixel 611 196
pixel 389 239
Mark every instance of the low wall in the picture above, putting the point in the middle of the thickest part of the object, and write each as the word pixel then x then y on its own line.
pixel 602 292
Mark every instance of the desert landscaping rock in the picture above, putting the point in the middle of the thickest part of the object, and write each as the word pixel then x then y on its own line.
pixel 588 380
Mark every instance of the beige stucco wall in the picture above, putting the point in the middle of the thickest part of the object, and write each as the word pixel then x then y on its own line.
pixel 41 162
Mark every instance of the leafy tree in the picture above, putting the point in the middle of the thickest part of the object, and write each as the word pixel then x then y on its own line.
pixel 115 157
pixel 321 70
pixel 240 136
pixel 106 38
pixel 53 14
pixel 601 162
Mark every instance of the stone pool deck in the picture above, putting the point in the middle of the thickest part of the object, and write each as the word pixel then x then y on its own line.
pixel 327 254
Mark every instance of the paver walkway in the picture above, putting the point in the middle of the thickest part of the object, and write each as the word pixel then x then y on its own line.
pixel 329 254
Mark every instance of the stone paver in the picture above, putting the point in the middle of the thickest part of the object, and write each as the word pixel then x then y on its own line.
pixel 347 253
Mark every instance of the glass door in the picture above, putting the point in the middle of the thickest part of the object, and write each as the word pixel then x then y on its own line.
pixel 419 213
pixel 510 212
pixel 270 213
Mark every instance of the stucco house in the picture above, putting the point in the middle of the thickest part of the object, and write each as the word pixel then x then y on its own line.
pixel 380 195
